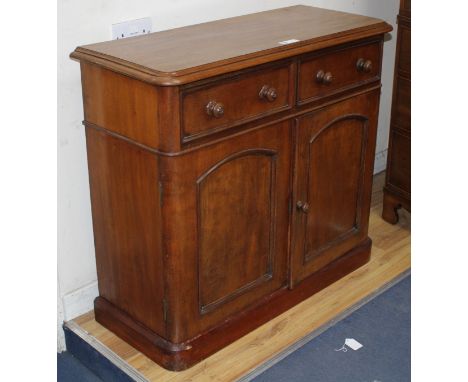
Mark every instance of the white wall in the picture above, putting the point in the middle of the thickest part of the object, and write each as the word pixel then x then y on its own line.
pixel 87 21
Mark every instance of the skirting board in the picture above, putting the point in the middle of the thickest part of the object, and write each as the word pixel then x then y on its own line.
pixel 72 305
pixel 80 301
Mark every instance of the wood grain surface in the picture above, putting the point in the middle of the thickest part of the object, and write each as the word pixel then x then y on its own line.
pixel 397 191
pixel 390 258
pixel 337 140
pixel 341 65
pixel 229 44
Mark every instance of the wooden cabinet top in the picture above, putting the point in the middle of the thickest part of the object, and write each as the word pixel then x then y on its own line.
pixel 191 53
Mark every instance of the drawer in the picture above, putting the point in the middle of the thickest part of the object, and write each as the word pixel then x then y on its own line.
pixel 329 72
pixel 231 101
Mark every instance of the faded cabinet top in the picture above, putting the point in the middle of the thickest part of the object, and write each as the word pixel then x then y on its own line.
pixel 195 52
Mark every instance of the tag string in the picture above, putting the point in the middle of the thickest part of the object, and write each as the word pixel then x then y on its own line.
pixel 344 349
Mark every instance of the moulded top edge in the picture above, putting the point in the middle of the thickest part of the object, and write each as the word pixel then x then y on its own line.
pixel 199 51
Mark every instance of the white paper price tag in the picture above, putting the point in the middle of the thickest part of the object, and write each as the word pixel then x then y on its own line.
pixel 352 343
pixel 286 42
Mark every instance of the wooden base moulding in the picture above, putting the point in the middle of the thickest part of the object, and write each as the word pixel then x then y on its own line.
pixel 181 356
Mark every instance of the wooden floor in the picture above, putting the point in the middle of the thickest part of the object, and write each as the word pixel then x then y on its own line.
pixel 390 259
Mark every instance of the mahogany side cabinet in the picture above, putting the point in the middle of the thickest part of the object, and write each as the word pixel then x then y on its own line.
pixel 230 169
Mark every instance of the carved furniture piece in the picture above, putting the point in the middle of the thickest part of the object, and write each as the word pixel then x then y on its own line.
pixel 230 168
pixel 397 190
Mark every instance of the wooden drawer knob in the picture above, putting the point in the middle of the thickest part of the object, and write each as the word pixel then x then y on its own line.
pixel 302 206
pixel 267 93
pixel 215 109
pixel 363 65
pixel 324 77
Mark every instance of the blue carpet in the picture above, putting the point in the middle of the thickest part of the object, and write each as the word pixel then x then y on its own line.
pixel 383 326
pixel 69 369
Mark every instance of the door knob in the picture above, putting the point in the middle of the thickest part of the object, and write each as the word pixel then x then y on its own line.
pixel 364 65
pixel 324 78
pixel 302 206
pixel 267 93
pixel 215 109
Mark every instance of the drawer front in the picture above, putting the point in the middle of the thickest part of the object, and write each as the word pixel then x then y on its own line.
pixel 330 72
pixel 230 102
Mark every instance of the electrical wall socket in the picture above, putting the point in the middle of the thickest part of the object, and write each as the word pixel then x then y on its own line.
pixel 131 28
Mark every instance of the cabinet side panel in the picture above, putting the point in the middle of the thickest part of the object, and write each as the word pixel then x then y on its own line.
pixel 120 104
pixel 127 227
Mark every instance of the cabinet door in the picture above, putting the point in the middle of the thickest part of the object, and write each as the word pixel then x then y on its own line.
pixel 228 204
pixel 332 181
